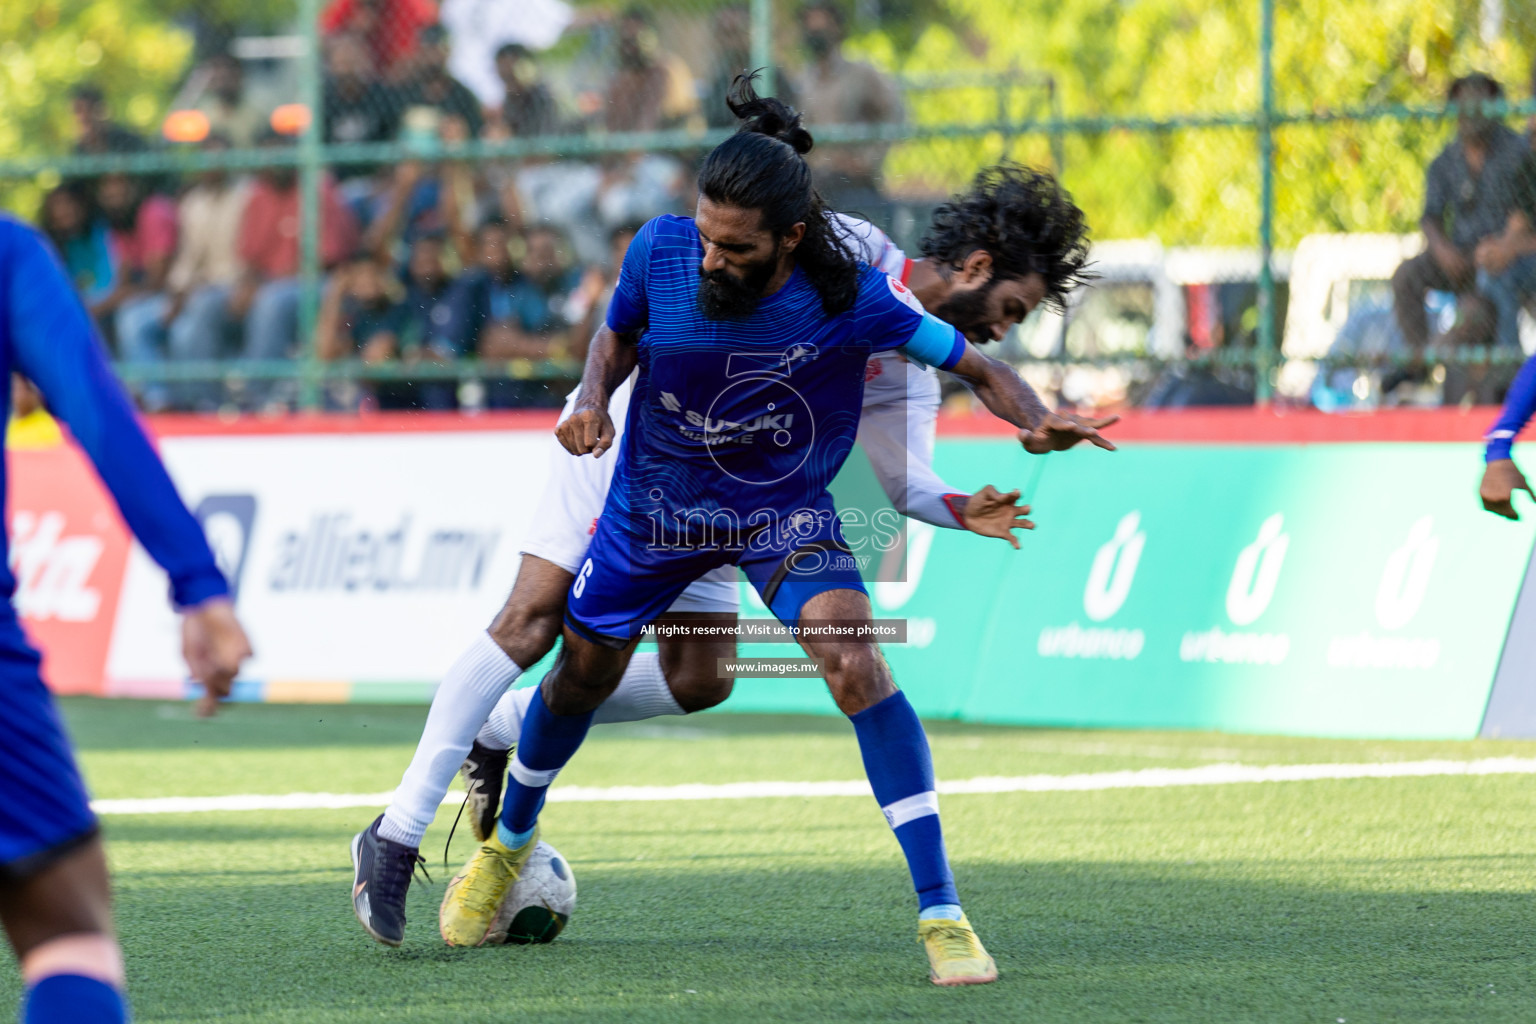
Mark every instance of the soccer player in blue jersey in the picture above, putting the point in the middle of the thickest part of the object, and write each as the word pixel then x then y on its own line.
pixel 1501 477
pixel 751 326
pixel 54 896
pixel 984 257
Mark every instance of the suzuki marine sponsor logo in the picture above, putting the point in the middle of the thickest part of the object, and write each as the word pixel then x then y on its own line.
pixel 335 553
pixel 1400 594
pixel 1109 584
pixel 53 570
pixel 697 426
pixel 1250 590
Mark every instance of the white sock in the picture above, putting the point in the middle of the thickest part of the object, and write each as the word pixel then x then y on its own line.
pixel 504 725
pixel 469 691
pixel 642 693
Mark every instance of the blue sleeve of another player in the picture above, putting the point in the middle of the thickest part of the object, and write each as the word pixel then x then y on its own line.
pixel 890 317
pixel 54 343
pixel 935 343
pixel 1519 405
pixel 629 310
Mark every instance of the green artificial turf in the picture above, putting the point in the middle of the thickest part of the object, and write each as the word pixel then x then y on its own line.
pixel 1361 900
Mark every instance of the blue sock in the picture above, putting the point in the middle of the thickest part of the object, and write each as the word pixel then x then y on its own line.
pixel 900 772
pixel 547 741
pixel 74 999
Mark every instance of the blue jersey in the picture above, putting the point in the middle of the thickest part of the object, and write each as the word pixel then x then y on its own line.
pixel 736 425
pixel 47 336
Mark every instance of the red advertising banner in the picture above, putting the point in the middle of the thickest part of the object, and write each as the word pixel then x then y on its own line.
pixel 69 549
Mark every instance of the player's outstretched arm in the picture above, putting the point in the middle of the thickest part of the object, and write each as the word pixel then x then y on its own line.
pixel 54 344
pixel 610 358
pixel 897 435
pixel 1010 397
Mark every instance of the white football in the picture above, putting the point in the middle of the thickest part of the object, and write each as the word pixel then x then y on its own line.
pixel 539 904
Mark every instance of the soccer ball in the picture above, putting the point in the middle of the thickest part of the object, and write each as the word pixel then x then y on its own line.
pixel 536 908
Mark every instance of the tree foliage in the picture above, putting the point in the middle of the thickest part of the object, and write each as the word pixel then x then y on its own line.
pixel 1164 58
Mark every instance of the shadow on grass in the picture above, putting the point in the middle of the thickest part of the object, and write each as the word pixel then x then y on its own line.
pixel 1075 942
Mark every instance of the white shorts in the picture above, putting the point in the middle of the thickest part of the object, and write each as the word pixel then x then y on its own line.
pixel 573 499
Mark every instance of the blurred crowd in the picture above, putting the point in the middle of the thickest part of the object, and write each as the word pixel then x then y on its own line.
pixel 430 258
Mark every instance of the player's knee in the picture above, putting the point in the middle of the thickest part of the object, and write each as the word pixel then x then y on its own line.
pixel 526 633
pixel 856 675
pixel 694 676
pixel 585 674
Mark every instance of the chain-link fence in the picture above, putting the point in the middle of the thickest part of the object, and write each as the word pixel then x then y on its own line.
pixel 404 204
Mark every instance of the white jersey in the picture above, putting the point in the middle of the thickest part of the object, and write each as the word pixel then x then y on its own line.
pixel 896 431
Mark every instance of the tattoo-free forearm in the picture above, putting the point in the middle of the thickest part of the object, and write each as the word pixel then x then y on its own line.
pixel 610 358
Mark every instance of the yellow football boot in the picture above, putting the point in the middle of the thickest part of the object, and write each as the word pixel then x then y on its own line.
pixel 955 954
pixel 473 897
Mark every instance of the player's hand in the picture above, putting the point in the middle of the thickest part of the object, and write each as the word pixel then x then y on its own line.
pixel 1060 431
pixel 213 644
pixel 586 430
pixel 1501 480
pixel 991 513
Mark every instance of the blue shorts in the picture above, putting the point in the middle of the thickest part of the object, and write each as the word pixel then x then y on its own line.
pixel 44 811
pixel 627 579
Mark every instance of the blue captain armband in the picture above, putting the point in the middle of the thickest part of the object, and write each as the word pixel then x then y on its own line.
pixel 935 343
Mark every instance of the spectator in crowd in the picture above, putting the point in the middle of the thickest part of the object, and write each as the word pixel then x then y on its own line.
pixel 649 89
pixel 425 328
pixel 733 35
pixel 355 106
pixel 359 318
pixel 485 296
pixel 408 204
pixel 206 271
pixel 81 240
pixel 267 297
pixel 432 95
pixel 141 232
pixel 97 132
pixel 1467 198
pixel 608 278
pixel 229 111
pixel 836 90
pixel 1506 263
pixel 528 108
pixel 544 301
pixel 389 28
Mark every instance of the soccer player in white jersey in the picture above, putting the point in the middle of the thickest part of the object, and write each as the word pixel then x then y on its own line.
pixel 896 432
pixel 983 259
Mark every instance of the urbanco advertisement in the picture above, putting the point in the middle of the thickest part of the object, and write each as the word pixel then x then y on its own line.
pixel 1341 589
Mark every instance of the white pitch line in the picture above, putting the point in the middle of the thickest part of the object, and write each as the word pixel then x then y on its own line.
pixel 1143 778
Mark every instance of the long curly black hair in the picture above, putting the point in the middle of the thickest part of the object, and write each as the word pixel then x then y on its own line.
pixel 762 167
pixel 1025 220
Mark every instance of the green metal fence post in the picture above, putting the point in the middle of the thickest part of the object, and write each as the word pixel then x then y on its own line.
pixel 310 171
pixel 1264 365
pixel 762 44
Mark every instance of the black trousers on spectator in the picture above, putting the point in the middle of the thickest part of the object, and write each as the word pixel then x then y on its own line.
pixel 1414 279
